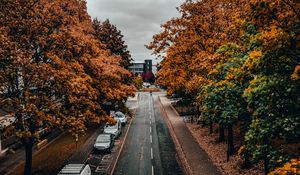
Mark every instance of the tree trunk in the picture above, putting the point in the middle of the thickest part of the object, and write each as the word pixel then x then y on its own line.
pixel 28 153
pixel 246 160
pixel 266 159
pixel 230 140
pixel 203 124
pixel 0 145
pixel 210 126
pixel 221 133
pixel 266 164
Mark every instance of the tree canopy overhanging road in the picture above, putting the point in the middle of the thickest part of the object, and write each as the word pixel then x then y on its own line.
pixel 232 66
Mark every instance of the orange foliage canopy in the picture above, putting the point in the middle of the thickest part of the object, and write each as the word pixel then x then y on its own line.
pixel 188 43
pixel 52 68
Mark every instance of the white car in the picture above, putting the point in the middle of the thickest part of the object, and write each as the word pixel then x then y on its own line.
pixel 146 85
pixel 76 169
pixel 115 129
pixel 104 142
pixel 122 117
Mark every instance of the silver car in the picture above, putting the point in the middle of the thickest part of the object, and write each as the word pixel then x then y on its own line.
pixel 104 142
pixel 122 117
pixel 115 129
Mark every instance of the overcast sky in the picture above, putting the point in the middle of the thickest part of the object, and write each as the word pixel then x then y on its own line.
pixel 138 20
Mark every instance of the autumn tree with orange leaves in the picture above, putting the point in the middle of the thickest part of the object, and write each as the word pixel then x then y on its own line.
pixel 240 61
pixel 112 41
pixel 53 71
pixel 188 43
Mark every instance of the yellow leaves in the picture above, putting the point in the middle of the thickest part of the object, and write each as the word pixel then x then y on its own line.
pixel 274 37
pixel 195 84
pixel 253 60
pixel 241 150
pixel 290 168
pixel 296 74
pixel 138 82
pixel 24 134
pixel 111 120
pixel 213 72
pixel 256 54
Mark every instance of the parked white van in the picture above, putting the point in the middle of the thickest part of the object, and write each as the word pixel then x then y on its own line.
pixel 75 169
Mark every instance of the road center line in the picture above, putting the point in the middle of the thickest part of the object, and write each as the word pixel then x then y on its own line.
pixel 150 130
pixel 151 153
pixel 152 169
pixel 150 138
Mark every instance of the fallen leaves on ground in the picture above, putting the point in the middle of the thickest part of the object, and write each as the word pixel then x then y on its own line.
pixel 216 152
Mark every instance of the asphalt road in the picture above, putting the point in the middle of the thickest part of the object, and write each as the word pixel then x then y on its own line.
pixel 148 148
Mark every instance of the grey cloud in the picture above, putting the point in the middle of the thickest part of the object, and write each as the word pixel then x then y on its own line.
pixel 138 20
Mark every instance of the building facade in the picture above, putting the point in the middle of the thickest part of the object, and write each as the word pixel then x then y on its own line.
pixel 141 67
pixel 137 68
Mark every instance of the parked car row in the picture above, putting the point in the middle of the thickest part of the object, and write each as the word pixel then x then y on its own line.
pixel 103 143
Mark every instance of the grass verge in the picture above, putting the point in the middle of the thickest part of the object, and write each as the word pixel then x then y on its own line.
pixel 54 156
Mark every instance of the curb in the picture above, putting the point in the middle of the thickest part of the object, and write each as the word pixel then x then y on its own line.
pixel 119 153
pixel 3 152
pixel 174 110
pixel 178 146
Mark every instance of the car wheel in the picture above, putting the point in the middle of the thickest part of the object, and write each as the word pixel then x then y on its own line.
pixel 94 151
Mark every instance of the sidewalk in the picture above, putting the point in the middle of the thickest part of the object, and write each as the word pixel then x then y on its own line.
pixel 193 157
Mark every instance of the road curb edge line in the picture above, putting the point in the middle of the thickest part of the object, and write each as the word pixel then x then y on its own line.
pixel 178 146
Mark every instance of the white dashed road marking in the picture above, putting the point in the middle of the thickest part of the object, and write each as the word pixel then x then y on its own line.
pixel 150 117
pixel 151 153
pixel 152 170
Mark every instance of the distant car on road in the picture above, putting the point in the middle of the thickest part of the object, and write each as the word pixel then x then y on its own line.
pixel 75 169
pixel 122 117
pixel 146 85
pixel 104 142
pixel 115 129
